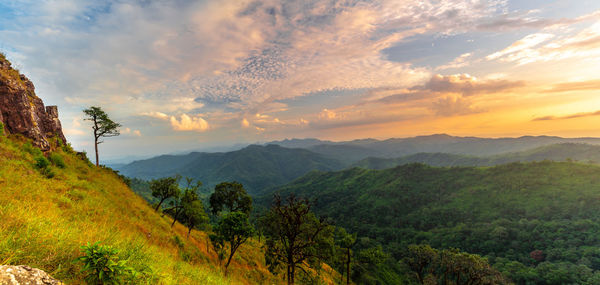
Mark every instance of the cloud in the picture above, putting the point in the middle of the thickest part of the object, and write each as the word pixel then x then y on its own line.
pixel 137 133
pixel 527 42
pixel 157 115
pixel 458 62
pixel 187 123
pixel 453 106
pixel 439 85
pixel 575 86
pixel 328 114
pixel 245 123
pixel 466 85
pixel 543 47
pixel 572 116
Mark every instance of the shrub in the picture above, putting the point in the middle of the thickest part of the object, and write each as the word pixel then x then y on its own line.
pixel 41 163
pixel 29 148
pixel 1 129
pixel 68 148
pixel 57 160
pixel 101 265
pixel 48 172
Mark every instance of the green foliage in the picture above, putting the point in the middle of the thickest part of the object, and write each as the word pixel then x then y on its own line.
pixel 101 265
pixel 165 188
pixel 295 236
pixel 57 160
pixel 41 162
pixel 232 197
pixel 1 129
pixel 555 152
pixel 256 167
pixel 218 244
pixel 427 263
pixel 503 213
pixel 235 229
pixel 34 151
pixel 193 214
pixel 102 126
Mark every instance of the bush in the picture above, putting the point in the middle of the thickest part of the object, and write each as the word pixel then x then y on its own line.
pixel 48 172
pixel 57 160
pixel 101 265
pixel 41 163
pixel 1 129
pixel 27 147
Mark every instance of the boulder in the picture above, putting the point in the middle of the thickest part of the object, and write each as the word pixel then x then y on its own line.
pixel 25 275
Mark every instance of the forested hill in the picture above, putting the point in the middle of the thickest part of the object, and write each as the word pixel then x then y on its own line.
pixel 539 223
pixel 256 167
pixel 556 152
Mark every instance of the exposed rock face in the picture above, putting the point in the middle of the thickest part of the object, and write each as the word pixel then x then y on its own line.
pixel 22 112
pixel 22 275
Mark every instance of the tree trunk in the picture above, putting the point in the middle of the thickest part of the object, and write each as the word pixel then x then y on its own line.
pixel 293 274
pixel 348 268
pixel 96 147
pixel 189 231
pixel 289 280
pixel 158 206
pixel 229 260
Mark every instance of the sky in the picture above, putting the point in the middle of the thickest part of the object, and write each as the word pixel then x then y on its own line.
pixel 191 75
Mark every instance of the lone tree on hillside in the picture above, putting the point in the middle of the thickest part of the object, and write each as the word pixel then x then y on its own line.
pixel 230 196
pixel 189 195
pixel 165 188
pixel 295 236
pixel 103 126
pixel 235 229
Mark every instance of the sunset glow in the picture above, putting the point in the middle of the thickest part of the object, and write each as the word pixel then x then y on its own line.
pixel 182 75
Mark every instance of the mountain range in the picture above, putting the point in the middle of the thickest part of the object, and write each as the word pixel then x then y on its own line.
pixel 259 167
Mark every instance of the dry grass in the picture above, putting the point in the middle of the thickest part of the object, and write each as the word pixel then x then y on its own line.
pixel 43 222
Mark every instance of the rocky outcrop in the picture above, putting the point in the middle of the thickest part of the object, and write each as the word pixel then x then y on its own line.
pixel 22 112
pixel 25 275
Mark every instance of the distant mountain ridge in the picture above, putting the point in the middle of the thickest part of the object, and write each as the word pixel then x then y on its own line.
pixel 438 143
pixel 261 166
pixel 256 167
pixel 556 152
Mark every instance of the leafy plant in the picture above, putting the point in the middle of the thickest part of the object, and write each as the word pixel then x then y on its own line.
pixel 29 148
pixel 57 160
pixel 41 163
pixel 1 129
pixel 101 265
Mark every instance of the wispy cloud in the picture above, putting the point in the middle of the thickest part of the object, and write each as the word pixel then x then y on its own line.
pixel 575 86
pixel 212 66
pixel 572 116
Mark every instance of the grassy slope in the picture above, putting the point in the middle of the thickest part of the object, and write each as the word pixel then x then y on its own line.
pixel 44 221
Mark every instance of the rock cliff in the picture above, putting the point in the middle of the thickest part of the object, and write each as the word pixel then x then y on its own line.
pixel 22 112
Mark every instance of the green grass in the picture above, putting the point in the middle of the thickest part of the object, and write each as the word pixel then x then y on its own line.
pixel 45 221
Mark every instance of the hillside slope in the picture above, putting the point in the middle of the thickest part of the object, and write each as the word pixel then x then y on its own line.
pixel 556 152
pixel 505 213
pixel 46 220
pixel 256 167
